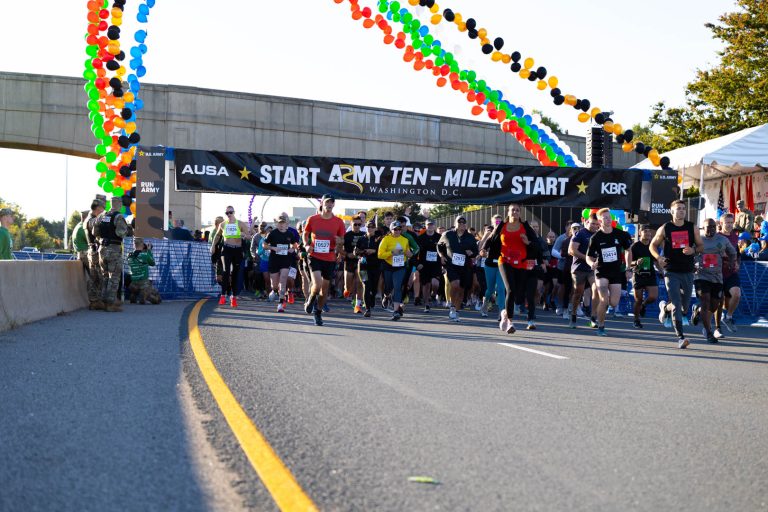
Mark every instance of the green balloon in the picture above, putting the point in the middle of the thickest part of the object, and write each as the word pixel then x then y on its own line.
pixel 93 105
pixel 494 96
pixel 108 187
pixel 100 149
pixel 471 76
pixel 108 205
pixel 107 140
pixel 455 67
pixel 416 44
pixel 102 167
pixel 407 17
pixel 439 61
pixel 89 74
pixel 383 8
pixel 99 132
pixel 88 64
pixel 415 24
pixel 396 17
pixel 93 94
pixel 92 50
pixel 394 7
pixel 463 75
pixel 110 157
pixel 111 174
pixel 481 84
pixel 429 39
pixel 118 192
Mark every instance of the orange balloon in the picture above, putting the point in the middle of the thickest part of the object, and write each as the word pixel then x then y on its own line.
pixel 461 26
pixel 501 115
pixel 356 15
pixel 482 33
pixel 477 110
pixel 457 18
pixel 506 59
pixel 441 81
pixel 133 208
pixel 528 63
pixel 388 39
pixel 553 81
pixel 496 56
pixel 594 112
pixel 541 85
pixel 128 97
pixel 525 73
pixel 436 18
pixel 627 147
pixel 119 122
pixel 617 129
pixel 608 126
pixel 368 23
pixel 583 117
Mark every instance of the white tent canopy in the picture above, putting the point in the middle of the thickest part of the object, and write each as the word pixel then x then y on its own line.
pixel 730 155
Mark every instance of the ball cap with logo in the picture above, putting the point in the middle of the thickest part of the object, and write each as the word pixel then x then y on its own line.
pixel 5 212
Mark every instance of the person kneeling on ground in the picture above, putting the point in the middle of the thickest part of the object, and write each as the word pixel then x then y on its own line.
pixel 139 262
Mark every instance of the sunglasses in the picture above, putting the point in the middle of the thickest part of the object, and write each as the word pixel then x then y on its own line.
pixel 230 212
pixel 358 225
pixel 462 222
pixel 397 229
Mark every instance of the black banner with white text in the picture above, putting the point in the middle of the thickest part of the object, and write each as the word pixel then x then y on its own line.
pixel 394 181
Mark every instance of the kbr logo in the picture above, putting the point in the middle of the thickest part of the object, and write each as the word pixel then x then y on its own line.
pixel 614 189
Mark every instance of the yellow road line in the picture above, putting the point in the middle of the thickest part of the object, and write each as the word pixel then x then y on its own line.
pixel 277 478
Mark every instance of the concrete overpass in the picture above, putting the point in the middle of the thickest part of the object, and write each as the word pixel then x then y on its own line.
pixel 48 113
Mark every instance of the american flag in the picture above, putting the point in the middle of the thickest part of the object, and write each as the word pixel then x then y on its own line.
pixel 720 202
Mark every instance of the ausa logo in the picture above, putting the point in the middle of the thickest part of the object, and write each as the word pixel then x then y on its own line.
pixel 208 170
pixel 614 189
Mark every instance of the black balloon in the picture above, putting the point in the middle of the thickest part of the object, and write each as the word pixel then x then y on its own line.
pixel 126 113
pixel 113 65
pixel 134 138
pixel 115 83
pixel 448 15
pixel 430 3
pixel 559 99
pixel 123 141
pixel 125 171
pixel 647 150
pixel 532 77
pixel 555 92
pixel 127 200
pixel 600 118
pixel 664 162
pixel 640 148
pixel 620 139
pixel 487 48
pixel 577 106
pixel 541 72
pixel 515 67
pixel 132 165
pixel 585 104
pixel 472 33
pixel 117 93
pixel 628 135
pixel 498 43
pixel 516 56
pixel 120 56
pixel 471 23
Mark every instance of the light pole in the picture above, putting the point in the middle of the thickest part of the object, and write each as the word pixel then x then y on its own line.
pixel 66 203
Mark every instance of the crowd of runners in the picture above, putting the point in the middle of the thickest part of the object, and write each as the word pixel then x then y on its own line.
pixel 507 269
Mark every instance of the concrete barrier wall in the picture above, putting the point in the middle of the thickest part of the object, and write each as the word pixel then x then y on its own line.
pixel 33 290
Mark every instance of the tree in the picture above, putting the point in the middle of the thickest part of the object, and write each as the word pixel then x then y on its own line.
pixel 74 219
pixel 730 96
pixel 410 210
pixel 35 235
pixel 551 123
pixel 648 135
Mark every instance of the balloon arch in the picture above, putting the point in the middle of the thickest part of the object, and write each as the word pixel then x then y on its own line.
pixel 114 92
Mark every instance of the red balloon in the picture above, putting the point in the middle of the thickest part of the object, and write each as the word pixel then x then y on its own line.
pixel 97 64
pixel 103 14
pixel 93 29
pixel 367 12
pixel 480 98
pixel 399 43
pixel 100 83
pixel 103 26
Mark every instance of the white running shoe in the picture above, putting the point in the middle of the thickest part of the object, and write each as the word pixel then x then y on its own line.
pixel 272 296
pixel 504 323
pixel 662 311
pixel 580 312
pixel 559 311
pixel 718 334
pixel 452 314
pixel 280 308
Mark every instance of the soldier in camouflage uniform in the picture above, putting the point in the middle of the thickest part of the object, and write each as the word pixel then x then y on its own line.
pixel 111 227
pixel 94 284
pixel 139 262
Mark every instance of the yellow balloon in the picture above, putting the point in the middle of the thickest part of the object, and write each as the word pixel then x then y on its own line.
pixel 541 85
pixel 119 122
pixel 462 26
pixel 434 8
pixel 413 2
pixel 570 99
pixel 528 64
pixel 119 103
pixel 506 59
pixel 117 21
pixel 653 156
pixel 482 33
pixel 437 18
pixel 594 112
pixel 627 147
pixel 457 18
pixel 608 126
pixel 617 129
pixel 484 41
pixel 128 96
pixel 120 72
pixel 496 56
pixel 525 73
pixel 117 13
pixel 130 128
pixel 583 117
pixel 553 82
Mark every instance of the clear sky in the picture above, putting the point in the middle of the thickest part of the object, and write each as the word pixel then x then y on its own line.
pixel 623 56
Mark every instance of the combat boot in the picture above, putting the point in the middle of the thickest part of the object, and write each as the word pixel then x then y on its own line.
pixel 96 305
pixel 113 307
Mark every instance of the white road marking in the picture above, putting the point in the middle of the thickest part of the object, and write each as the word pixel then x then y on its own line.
pixel 518 347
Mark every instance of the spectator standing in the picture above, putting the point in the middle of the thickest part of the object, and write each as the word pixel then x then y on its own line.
pixel 744 218
pixel 79 242
pixel 6 243
pixel 179 232
pixel 111 228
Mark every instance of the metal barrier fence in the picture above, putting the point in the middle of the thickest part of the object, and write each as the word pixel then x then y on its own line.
pixel 43 256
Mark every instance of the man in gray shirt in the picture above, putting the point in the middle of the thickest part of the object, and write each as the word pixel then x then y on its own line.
pixel 708 279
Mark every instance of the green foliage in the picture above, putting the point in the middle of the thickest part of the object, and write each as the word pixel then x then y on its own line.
pixel 33 233
pixel 730 96
pixel 410 210
pixel 548 121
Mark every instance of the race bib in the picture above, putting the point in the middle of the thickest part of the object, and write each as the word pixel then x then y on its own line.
pixel 680 239
pixel 529 264
pixel 709 260
pixel 610 255
pixel 322 246
pixel 459 259
pixel 431 256
pixel 282 249
pixel 481 263
pixel 515 256
pixel 292 273
pixel 398 260
pixel 230 230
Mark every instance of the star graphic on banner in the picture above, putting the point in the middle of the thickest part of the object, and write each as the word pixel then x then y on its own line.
pixel 244 173
pixel 582 187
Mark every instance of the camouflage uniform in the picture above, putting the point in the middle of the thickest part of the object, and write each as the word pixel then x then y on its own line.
pixel 141 287
pixel 111 228
pixel 94 283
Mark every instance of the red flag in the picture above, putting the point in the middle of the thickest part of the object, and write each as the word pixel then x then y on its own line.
pixel 750 194
pixel 732 198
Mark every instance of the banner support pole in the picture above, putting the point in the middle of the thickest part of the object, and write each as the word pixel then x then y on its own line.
pixel 166 194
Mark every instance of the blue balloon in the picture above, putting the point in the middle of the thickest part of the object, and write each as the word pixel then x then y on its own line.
pixel 135 86
pixel 134 63
pixel 141 18
pixel 403 11
pixel 519 112
pixel 389 15
pixel 143 9
pixel 140 36
pixel 143 48
pixel 139 103
pixel 141 71
pixel 136 52
pixel 527 118
pixel 150 3
pixel 437 43
pixel 423 30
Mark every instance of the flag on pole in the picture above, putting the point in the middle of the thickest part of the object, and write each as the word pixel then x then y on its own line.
pixel 750 194
pixel 721 203
pixel 732 199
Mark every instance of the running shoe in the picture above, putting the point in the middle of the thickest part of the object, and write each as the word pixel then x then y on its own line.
pixel 346 294
pixel 601 331
pixel 452 314
pixel 718 334
pixel 686 322
pixel 233 301
pixel 456 317
pixel 367 313
pixel 637 324
pixel 484 309
pixel 571 324
pixel 711 339
pixel 326 309
pixel 504 321
pixel 309 306
pixel 406 299
pixel 272 296
pixel 281 307
pixel 291 298
pixel 695 315
pixel 358 309
pixel 384 302
pixel 580 312
pixel 318 318
pixel 531 325
pixel 559 311
pixel 683 342
pixel 427 309
pixel 728 323
pixel 222 300
pixel 478 306
pixel 593 323
pixel 663 315
pixel 396 316
pixel 511 328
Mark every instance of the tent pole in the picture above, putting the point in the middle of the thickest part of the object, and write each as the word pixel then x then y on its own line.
pixel 701 195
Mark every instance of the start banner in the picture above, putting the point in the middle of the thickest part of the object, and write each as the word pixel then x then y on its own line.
pixel 394 181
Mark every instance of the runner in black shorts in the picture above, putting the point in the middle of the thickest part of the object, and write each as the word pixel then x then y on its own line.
pixel 731 280
pixel 642 263
pixel 429 267
pixel 282 243
pixel 603 252
pixel 352 285
pixel 456 248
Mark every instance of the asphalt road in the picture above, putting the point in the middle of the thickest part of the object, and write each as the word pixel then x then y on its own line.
pixel 110 412
pixel 627 422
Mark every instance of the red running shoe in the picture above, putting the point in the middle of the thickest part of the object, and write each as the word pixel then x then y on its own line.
pixel 346 294
pixel 222 300
pixel 233 301
pixel 290 298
